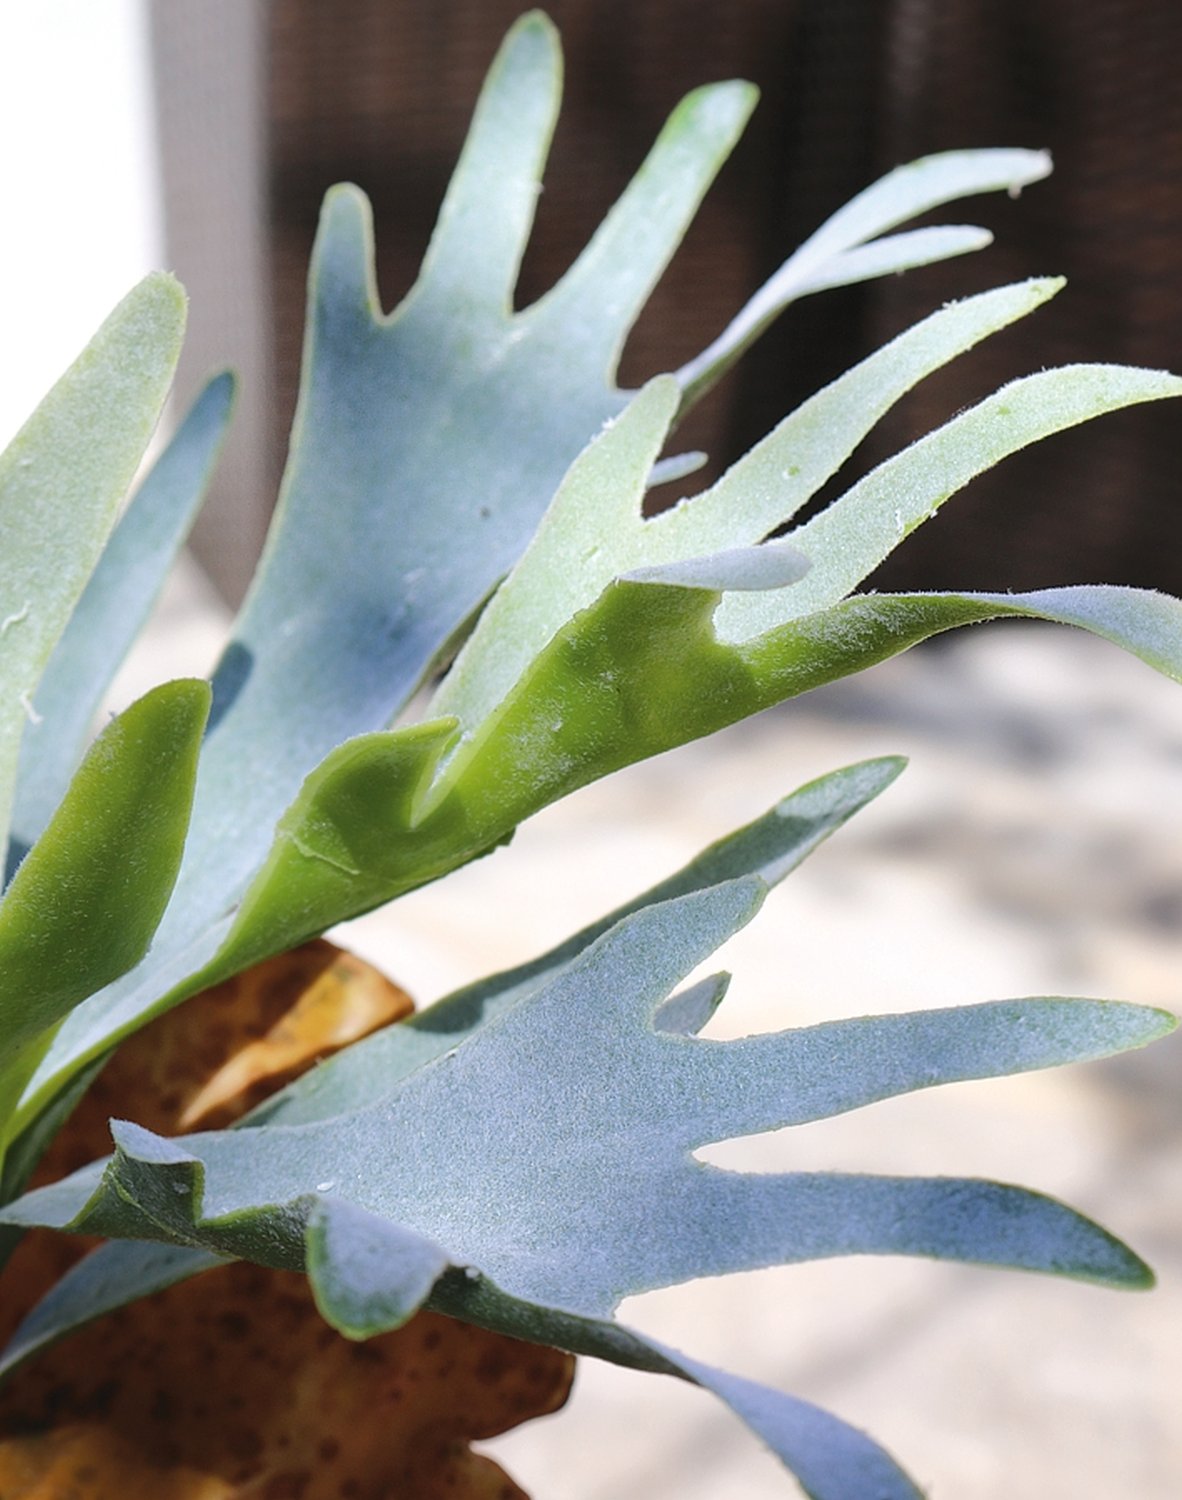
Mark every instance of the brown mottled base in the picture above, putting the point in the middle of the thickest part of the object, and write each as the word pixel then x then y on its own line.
pixel 230 1386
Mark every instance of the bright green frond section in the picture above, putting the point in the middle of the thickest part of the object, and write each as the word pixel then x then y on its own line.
pixel 348 844
pixel 593 531
pixel 83 906
pixel 643 671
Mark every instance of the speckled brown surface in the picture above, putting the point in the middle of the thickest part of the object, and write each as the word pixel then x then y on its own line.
pixel 230 1386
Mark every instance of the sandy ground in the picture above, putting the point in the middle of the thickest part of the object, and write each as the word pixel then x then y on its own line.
pixel 1032 847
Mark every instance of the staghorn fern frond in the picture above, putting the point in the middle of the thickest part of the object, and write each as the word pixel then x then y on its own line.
pixel 426 449
pixel 61 482
pixel 518 1154
pixel 112 610
pixel 466 475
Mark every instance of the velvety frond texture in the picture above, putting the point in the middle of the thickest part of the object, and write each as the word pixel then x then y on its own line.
pixel 463 613
pixel 230 1384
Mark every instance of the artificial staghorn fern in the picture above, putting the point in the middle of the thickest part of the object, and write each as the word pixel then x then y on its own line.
pixel 466 475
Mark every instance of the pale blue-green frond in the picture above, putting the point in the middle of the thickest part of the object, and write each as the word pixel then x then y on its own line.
pixel 839 253
pixel 61 482
pixel 487 214
pixel 607 287
pixel 113 607
pixel 499 1160
pixel 848 539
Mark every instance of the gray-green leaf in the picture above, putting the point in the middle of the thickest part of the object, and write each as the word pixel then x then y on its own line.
pixel 112 609
pixel 61 481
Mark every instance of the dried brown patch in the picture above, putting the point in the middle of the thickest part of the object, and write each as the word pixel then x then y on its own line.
pixel 230 1386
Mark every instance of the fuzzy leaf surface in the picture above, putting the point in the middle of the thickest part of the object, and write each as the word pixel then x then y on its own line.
pixel 547 1183
pixel 594 532
pixel 61 481
pixel 454 417
pixel 643 671
pixel 847 247
pixel 83 906
pixel 530 1206
pixel 770 847
pixel 846 541
pixel 112 609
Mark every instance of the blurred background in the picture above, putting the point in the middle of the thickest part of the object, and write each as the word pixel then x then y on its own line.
pixel 206 131
pixel 1033 847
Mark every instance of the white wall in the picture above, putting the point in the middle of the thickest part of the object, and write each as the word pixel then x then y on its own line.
pixel 78 217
